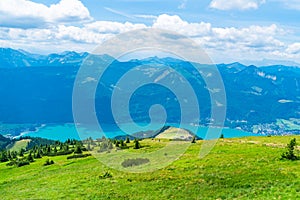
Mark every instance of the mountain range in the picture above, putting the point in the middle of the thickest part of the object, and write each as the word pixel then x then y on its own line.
pixel 38 89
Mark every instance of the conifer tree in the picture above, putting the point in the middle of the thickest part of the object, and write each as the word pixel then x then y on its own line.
pixel 136 144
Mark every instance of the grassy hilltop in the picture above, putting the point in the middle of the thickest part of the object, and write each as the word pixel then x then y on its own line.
pixel 241 168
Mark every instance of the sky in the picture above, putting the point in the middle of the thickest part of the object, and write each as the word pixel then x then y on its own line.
pixel 228 30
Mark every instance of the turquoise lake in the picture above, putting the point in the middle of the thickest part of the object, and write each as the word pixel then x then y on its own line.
pixel 64 131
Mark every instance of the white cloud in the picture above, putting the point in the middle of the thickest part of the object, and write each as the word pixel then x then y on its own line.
pixel 68 10
pixel 236 4
pixel 175 23
pixel 146 16
pixel 254 37
pixel 223 44
pixel 113 27
pixel 28 14
pixel 77 34
pixel 293 48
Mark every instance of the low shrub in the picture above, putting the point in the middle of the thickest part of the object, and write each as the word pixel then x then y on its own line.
pixel 18 163
pixel 106 175
pixel 22 163
pixel 48 162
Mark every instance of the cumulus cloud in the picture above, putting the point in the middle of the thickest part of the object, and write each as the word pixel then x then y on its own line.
pixel 236 4
pixel 293 48
pixel 175 23
pixel 28 14
pixel 257 37
pixel 224 44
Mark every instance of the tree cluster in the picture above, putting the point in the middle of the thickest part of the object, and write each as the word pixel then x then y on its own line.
pixel 56 148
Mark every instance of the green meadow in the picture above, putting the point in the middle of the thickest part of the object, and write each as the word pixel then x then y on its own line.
pixel 240 168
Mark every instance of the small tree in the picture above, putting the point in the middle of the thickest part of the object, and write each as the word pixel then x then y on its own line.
pixel 3 156
pixel 117 144
pixel 122 143
pixel 21 153
pixel 30 158
pixel 110 146
pixel 137 145
pixel 194 139
pixel 89 147
pixel 48 149
pixel 78 149
pixel 66 147
pixel 290 152
pixel 38 154
pixel 222 136
pixel 127 140
pixel 55 149
pixel 9 155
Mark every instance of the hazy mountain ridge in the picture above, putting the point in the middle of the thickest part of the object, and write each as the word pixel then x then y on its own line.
pixel 38 89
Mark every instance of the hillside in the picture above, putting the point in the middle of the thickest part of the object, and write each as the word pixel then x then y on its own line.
pixel 241 168
pixel 45 83
pixel 4 142
pixel 173 133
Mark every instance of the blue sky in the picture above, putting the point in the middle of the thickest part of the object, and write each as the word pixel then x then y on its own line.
pixel 236 30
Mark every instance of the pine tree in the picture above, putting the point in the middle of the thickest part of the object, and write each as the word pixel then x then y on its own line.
pixel 9 155
pixel 21 153
pixel 117 144
pixel 78 149
pixel 55 149
pixel 38 154
pixel 122 143
pixel 127 140
pixel 3 156
pixel 194 139
pixel 136 144
pixel 290 154
pixel 48 149
pixel 30 158
pixel 89 147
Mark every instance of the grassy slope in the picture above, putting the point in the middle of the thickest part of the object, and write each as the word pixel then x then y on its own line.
pixel 18 145
pixel 172 133
pixel 246 168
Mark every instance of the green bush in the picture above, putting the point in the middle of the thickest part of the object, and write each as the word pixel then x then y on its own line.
pixel 18 162
pixel 22 163
pixel 3 156
pixel 48 162
pixel 78 149
pixel 106 175
pixel 30 158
